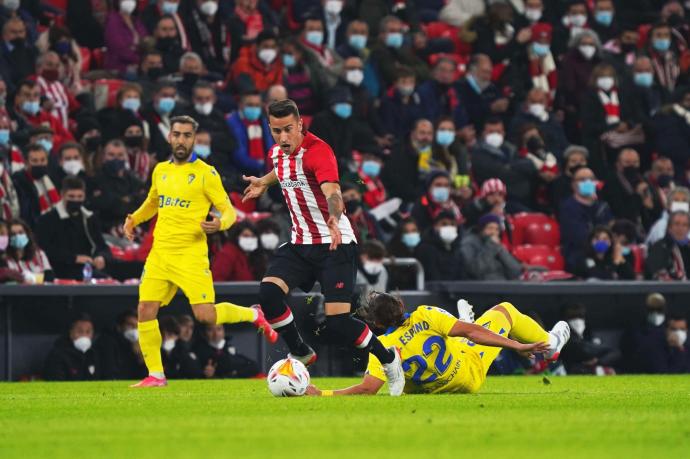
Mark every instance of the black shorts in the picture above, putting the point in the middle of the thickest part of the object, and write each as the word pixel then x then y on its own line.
pixel 301 265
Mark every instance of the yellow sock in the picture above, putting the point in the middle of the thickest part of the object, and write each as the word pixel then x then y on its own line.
pixel 525 329
pixel 150 341
pixel 228 313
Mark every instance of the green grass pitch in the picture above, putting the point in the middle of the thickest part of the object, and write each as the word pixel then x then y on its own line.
pixel 525 417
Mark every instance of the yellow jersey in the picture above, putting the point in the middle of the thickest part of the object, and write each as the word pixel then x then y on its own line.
pixel 182 196
pixel 432 360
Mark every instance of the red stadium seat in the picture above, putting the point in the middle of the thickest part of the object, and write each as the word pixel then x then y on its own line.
pixel 639 256
pixel 85 59
pixel 236 199
pixel 540 255
pixel 535 228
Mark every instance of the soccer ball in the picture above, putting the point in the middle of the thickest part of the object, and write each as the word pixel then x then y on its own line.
pixel 288 378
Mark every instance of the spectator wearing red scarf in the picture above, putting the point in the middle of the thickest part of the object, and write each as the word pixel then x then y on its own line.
pixel 249 127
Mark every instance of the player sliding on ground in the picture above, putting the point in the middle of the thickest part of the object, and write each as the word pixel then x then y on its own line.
pixel 442 354
pixel 182 192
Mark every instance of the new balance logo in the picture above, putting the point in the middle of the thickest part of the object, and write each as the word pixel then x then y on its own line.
pixel 340 285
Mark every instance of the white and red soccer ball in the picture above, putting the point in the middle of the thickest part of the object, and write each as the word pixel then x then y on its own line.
pixel 288 378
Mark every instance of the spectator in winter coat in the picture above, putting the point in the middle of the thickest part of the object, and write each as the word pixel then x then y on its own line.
pixel 249 127
pixel 439 251
pixel 118 349
pixel 219 359
pixel 604 259
pixel 435 201
pixel 669 258
pixel 484 256
pixel 667 353
pixel 36 192
pixel 234 260
pixel 72 358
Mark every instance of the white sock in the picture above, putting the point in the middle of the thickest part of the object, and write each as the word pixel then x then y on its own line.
pixel 157 374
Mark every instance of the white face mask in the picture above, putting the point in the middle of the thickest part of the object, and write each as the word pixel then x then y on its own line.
pixel 587 51
pixel 680 206
pixel 209 8
pixel 83 343
pixel 269 241
pixel 169 344
pixel 372 267
pixel 606 83
pixel 656 318
pixel 354 77
pixel 12 5
pixel 131 334
pixel 682 336
pixel 204 109
pixel 448 233
pixel 248 243
pixel 72 166
pixel 218 344
pixel 268 55
pixel 533 14
pixel 577 20
pixel 538 110
pixel 127 6
pixel 577 325
pixel 494 139
pixel 333 6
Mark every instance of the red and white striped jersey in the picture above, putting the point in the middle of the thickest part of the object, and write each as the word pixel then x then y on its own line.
pixel 58 94
pixel 300 175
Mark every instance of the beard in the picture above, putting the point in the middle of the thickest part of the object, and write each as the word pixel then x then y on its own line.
pixel 180 153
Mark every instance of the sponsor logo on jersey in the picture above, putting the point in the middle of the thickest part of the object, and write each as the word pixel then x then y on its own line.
pixel 293 184
pixel 169 201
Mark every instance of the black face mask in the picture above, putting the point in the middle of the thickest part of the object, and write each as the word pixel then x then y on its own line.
pixel 38 172
pixel 134 141
pixel 154 73
pixel 190 78
pixel 352 206
pixel 73 207
pixel 574 169
pixel 631 174
pixel 166 44
pixel 664 180
pixel 534 144
pixel 628 47
pixel 675 20
pixel 113 167
pixel 92 143
pixel 18 43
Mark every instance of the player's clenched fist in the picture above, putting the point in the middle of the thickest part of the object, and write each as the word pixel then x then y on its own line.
pixel 128 228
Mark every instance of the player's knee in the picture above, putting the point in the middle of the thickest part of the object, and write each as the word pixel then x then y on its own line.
pixel 205 313
pixel 271 297
pixel 147 311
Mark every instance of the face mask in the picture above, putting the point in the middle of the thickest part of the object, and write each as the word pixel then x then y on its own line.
pixel 644 79
pixel 131 103
pixel 680 206
pixel 354 77
pixel 38 172
pixel 372 267
pixel 315 37
pixel 166 43
pixel 411 240
pixel 169 345
pixel 289 60
pixel 587 188
pixel 204 109
pixel 406 91
pixel 606 83
pixel 169 7
pixel 154 73
pixel 4 241
pixel 343 110
pixel 31 107
pixel 251 113
pixel 18 43
pixel 248 243
pixel 352 206
pixel 357 41
pixel 92 143
pixel 601 247
pixel 333 6
pixel 131 335
pixel 587 51
pixel 50 74
pixel 45 143
pixel 577 20
pixel 82 344
pixel 540 49
pixel 203 150
pixel 625 251
pixel 12 5
pixel 394 40
pixel 577 325
pixel 269 241
pixel 189 78
pixel 683 242
pixel 538 110
pixel 218 344
pixel 494 139
pixel 604 18
pixel 127 6
pixel 371 168
pixel 72 166
pixel 209 8
pixel 134 141
pixel 448 233
pixel 533 14
pixel 4 137
pixel 445 137
pixel 19 241
pixel 114 166
pixel 682 336
pixel 74 207
pixel 166 105
pixel 656 318
pixel 268 55
pixel 440 194
pixel 631 174
pixel 661 44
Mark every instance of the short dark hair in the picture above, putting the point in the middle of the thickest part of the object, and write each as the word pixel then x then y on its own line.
pixel 169 324
pixel 283 108
pixel 404 72
pixel 34 147
pixel 385 310
pixel 124 315
pixel 69 145
pixel 203 85
pixel 374 249
pixel 160 85
pixel 184 119
pixel 73 183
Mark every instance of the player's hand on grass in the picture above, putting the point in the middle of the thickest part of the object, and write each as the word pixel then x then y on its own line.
pixel 529 349
pixel 212 226
pixel 128 228
pixel 336 236
pixel 312 390
pixel 255 188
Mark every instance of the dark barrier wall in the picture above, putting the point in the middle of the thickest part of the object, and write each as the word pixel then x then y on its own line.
pixel 32 317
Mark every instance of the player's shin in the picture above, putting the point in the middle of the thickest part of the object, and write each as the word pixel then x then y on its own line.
pixel 356 333
pixel 150 341
pixel 524 328
pixel 280 317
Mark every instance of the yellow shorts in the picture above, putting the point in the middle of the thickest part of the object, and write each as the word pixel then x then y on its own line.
pixel 164 273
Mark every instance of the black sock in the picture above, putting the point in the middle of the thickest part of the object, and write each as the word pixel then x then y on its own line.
pixel 356 333
pixel 384 355
pixel 293 339
pixel 278 314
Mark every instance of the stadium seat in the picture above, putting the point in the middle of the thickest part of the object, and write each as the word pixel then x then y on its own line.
pixel 639 252
pixel 535 228
pixel 105 92
pixel 85 59
pixel 246 207
pixel 540 255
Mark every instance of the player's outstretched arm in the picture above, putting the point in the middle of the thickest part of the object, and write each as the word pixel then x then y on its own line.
pixel 369 386
pixel 485 337
pixel 336 206
pixel 258 185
